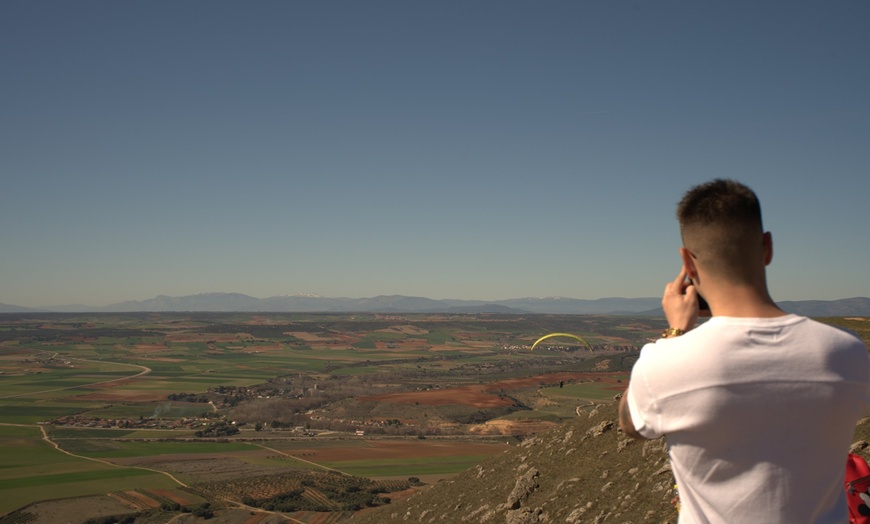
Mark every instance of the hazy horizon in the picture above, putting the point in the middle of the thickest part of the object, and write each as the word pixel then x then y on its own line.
pixel 318 295
pixel 345 297
pixel 447 150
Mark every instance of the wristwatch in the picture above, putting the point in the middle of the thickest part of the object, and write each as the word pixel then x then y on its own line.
pixel 672 332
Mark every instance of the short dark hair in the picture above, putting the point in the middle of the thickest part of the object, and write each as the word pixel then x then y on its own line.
pixel 720 222
pixel 719 202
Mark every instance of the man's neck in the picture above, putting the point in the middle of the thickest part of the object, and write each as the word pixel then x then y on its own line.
pixel 744 302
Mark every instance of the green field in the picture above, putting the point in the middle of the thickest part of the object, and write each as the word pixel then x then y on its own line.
pixel 58 433
pixel 122 448
pixel 17 497
pixel 16 412
pixel 407 466
pixel 556 413
pixel 166 409
pixel 113 475
pixel 586 391
pixel 33 469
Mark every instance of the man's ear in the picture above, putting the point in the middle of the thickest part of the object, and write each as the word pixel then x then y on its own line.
pixel 689 264
pixel 768 247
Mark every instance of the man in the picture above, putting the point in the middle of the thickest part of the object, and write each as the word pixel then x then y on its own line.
pixel 758 406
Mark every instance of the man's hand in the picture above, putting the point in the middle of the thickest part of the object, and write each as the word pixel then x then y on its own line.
pixel 680 302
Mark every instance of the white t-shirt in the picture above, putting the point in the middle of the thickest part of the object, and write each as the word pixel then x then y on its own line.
pixel 759 414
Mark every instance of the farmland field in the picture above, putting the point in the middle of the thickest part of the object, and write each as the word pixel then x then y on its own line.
pixel 314 413
pixel 586 390
pixel 33 470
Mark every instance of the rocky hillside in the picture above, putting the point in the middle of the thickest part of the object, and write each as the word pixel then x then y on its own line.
pixel 586 471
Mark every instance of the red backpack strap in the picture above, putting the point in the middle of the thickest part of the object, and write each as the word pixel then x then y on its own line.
pixel 858 489
pixel 856 467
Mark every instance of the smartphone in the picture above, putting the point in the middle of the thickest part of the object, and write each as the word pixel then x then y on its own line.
pixel 703 307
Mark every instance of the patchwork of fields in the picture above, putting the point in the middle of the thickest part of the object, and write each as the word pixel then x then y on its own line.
pixel 166 413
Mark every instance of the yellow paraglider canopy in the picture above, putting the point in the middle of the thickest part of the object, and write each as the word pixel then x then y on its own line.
pixel 545 337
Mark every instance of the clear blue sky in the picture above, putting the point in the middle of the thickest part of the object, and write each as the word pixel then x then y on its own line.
pixel 480 150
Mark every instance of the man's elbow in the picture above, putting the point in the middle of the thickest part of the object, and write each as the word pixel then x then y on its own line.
pixel 631 432
pixel 625 422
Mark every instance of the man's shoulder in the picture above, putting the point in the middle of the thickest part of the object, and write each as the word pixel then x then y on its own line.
pixel 832 330
pixel 719 336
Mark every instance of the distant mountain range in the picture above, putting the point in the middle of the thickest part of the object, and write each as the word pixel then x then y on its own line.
pixel 308 303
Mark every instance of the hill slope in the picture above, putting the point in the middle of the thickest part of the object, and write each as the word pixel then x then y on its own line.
pixel 584 471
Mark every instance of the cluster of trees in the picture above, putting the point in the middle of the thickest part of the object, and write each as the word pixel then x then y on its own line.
pixel 113 519
pixel 347 498
pixel 202 511
pixel 218 429
pixel 188 397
